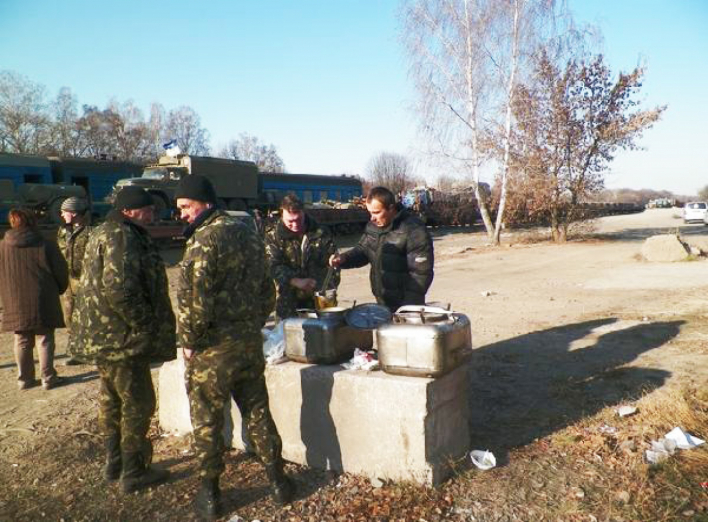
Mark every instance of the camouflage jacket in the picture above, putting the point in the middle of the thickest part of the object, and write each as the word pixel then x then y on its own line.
pixel 123 311
pixel 225 291
pixel 306 256
pixel 72 243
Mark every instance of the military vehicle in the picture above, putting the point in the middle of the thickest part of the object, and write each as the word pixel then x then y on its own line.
pixel 27 181
pixel 235 181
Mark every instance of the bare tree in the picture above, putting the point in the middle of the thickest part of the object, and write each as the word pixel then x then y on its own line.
pixel 24 119
pixel 99 130
pixel 572 121
pixel 131 134
pixel 466 58
pixel 250 148
pixel 156 129
pixel 445 183
pixel 67 137
pixel 392 171
pixel 703 193
pixel 184 125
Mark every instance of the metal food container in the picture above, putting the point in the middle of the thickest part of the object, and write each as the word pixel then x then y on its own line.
pixel 323 337
pixel 424 343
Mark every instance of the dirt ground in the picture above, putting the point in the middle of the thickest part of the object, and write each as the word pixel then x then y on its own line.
pixel 563 334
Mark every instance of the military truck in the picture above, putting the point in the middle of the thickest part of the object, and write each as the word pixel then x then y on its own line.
pixel 27 181
pixel 235 181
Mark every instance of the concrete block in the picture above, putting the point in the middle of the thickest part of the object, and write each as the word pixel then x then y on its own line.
pixel 369 423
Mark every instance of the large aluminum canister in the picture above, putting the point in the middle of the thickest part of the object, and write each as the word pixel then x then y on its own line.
pixel 324 339
pixel 423 344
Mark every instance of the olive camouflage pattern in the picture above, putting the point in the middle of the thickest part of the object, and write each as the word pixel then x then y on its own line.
pixel 123 310
pixel 291 255
pixel 213 377
pixel 72 243
pixel 224 288
pixel 225 295
pixel 126 404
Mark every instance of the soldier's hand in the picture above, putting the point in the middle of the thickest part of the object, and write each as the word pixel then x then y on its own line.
pixel 187 353
pixel 335 260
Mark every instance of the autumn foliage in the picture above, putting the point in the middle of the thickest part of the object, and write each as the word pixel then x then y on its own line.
pixel 571 122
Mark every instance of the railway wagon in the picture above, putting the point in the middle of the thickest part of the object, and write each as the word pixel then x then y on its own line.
pixel 98 177
pixel 310 188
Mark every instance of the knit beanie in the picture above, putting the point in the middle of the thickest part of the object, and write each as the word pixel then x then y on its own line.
pixel 194 186
pixel 74 204
pixel 132 197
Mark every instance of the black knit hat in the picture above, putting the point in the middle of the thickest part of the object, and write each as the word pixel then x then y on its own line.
pixel 196 187
pixel 132 197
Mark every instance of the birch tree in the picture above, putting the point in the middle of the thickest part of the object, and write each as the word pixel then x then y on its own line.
pixel 466 59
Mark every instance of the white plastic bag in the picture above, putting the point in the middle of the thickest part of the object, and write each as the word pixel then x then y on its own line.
pixel 361 361
pixel 274 344
pixel 484 460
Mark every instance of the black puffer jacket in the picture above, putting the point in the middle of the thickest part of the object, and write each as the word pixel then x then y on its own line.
pixel 401 258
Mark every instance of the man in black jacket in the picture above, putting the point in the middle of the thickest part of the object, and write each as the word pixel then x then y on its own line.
pixel 399 249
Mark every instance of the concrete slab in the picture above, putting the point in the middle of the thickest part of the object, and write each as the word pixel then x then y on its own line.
pixel 370 423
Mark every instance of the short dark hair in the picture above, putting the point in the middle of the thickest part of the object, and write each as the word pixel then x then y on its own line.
pixel 22 218
pixel 292 203
pixel 382 195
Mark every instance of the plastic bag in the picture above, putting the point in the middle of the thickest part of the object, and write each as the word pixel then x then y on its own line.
pixel 361 361
pixel 274 344
pixel 484 460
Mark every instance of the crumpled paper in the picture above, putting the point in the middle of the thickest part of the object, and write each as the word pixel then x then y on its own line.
pixel 663 448
pixel 682 439
pixel 361 361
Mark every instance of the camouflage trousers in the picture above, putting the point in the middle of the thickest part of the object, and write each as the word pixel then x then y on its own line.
pixel 67 301
pixel 213 377
pixel 126 404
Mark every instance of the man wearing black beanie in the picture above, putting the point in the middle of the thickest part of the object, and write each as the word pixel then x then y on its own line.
pixel 123 322
pixel 225 297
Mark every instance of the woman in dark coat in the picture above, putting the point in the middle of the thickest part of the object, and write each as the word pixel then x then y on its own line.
pixel 33 274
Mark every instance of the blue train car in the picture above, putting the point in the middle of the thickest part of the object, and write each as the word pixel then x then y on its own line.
pixel 22 168
pixel 310 188
pixel 16 170
pixel 96 176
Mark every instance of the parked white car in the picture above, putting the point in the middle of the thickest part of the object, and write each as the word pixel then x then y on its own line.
pixel 695 211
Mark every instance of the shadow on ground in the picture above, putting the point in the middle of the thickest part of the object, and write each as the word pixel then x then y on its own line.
pixel 533 385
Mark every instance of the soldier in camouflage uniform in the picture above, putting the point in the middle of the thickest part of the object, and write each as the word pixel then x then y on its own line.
pixel 123 321
pixel 298 251
pixel 225 295
pixel 72 239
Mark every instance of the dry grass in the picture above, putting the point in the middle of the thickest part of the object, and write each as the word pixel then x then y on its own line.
pixel 668 491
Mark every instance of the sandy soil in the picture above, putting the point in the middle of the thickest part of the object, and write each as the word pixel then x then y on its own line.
pixel 560 331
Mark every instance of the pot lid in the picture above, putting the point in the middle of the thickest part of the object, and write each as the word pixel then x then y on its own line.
pixel 368 316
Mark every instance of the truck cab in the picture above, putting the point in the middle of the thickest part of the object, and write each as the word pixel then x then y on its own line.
pixel 235 182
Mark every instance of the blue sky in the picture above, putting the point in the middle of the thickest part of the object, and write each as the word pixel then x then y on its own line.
pixel 325 81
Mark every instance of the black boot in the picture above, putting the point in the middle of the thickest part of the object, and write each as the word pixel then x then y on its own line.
pixel 137 474
pixel 113 459
pixel 208 501
pixel 282 488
